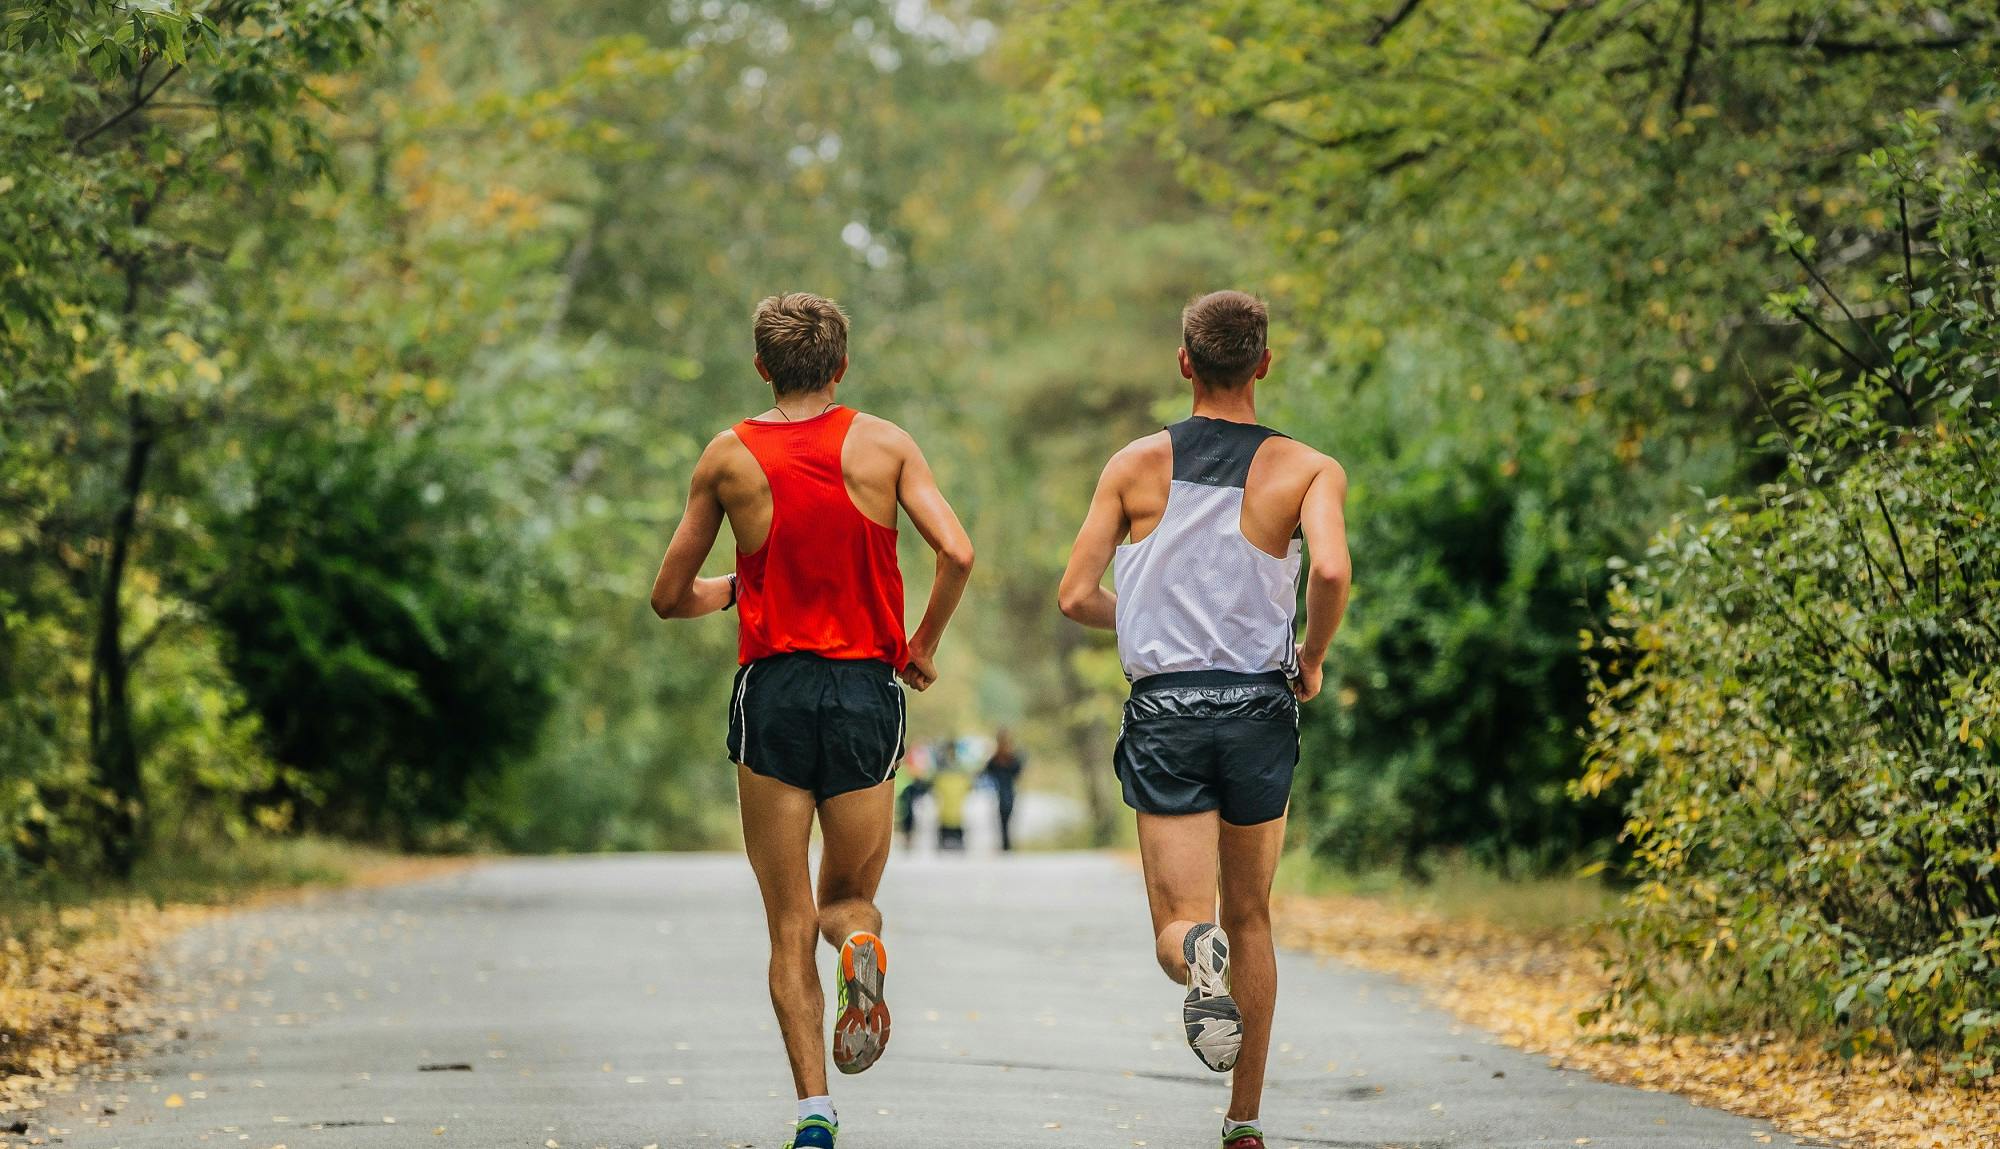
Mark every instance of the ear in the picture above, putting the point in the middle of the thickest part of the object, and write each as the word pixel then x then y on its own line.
pixel 840 370
pixel 1187 365
pixel 1263 365
pixel 761 369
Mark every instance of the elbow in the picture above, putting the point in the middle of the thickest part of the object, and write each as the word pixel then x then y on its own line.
pixel 1071 603
pixel 1332 572
pixel 663 606
pixel 958 557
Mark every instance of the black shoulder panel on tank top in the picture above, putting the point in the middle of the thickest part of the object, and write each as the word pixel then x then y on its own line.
pixel 1216 452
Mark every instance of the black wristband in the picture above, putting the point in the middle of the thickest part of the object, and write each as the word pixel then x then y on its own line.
pixel 731 604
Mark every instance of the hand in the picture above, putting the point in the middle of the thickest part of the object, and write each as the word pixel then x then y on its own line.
pixel 1311 672
pixel 921 671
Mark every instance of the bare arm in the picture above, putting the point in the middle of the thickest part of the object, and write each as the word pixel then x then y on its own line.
pixel 677 592
pixel 1082 595
pixel 917 491
pixel 1324 520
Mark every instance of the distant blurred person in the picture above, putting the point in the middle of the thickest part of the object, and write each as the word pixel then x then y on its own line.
pixel 1003 772
pixel 950 787
pixel 1205 611
pixel 913 781
pixel 816 720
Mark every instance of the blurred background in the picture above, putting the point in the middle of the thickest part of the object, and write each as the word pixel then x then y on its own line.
pixel 354 356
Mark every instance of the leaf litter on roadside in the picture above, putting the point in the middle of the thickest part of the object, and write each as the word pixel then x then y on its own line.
pixel 1531 991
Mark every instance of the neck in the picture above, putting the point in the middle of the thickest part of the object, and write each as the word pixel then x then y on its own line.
pixel 804 405
pixel 1235 405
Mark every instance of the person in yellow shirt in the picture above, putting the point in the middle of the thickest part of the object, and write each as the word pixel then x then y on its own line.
pixel 950 787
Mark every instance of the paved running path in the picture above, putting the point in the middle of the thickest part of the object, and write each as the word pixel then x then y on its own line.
pixel 620 1002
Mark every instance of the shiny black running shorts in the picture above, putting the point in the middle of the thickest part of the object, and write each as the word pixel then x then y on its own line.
pixel 1210 740
pixel 826 725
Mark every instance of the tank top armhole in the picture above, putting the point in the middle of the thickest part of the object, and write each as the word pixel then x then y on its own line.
pixel 840 465
pixel 1294 540
pixel 771 531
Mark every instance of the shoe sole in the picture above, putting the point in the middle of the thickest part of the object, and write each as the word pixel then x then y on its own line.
pixel 861 1032
pixel 1212 1020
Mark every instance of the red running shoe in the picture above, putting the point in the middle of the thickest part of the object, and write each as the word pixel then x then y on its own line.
pixel 861 1031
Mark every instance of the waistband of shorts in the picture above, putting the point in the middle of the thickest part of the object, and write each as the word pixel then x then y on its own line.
pixel 1207 680
pixel 816 657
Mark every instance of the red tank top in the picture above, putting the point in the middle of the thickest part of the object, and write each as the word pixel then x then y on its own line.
pixel 826 580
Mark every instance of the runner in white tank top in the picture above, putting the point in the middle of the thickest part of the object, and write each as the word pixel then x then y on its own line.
pixel 1195 594
pixel 1208 588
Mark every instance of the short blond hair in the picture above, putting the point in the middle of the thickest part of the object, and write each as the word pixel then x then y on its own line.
pixel 802 338
pixel 1225 333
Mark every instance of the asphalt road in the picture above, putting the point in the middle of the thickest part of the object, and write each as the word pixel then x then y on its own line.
pixel 620 1002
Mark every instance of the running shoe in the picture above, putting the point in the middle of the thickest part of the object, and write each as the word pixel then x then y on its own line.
pixel 1243 1139
pixel 861 1031
pixel 1214 1024
pixel 818 1133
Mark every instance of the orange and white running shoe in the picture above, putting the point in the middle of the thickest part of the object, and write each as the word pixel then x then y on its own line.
pixel 861 1031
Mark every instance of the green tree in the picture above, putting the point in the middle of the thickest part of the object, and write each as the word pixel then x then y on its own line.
pixel 134 132
pixel 1802 684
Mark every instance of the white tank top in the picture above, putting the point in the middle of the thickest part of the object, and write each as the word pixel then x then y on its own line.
pixel 1195 594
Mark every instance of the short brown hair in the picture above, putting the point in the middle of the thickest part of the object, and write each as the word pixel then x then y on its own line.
pixel 801 337
pixel 1225 333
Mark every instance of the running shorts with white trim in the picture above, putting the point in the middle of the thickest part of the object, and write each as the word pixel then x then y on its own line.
pixel 1195 741
pixel 828 726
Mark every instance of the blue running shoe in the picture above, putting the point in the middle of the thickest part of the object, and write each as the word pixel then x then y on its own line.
pixel 813 1133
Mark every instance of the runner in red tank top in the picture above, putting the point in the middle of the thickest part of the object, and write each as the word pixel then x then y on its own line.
pixel 825 581
pixel 816 720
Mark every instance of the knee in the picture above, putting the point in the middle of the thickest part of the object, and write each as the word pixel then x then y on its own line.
pixel 1251 918
pixel 793 936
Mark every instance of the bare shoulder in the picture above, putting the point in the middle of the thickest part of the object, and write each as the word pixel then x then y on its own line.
pixel 881 434
pixel 1310 464
pixel 720 450
pixel 1141 456
pixel 724 457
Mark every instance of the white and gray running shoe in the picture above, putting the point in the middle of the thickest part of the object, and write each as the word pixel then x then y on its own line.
pixel 1214 1024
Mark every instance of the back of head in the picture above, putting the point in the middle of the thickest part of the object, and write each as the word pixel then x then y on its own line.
pixel 1225 333
pixel 801 339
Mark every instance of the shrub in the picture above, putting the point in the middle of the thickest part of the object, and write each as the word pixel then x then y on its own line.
pixel 1804 684
pixel 383 630
pixel 1456 689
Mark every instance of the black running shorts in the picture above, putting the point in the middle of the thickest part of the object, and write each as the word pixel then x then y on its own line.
pixel 825 725
pixel 1210 740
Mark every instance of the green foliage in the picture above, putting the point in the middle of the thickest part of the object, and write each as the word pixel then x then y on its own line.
pixel 1452 727
pixel 1580 181
pixel 388 649
pixel 1803 685
pixel 207 336
pixel 138 138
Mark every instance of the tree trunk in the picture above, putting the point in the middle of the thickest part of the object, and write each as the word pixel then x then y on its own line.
pixel 114 751
pixel 1086 739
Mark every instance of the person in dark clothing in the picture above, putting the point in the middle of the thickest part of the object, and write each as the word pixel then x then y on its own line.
pixel 913 782
pixel 1003 770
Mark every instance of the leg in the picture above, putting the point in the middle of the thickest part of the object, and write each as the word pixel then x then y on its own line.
pixel 1004 792
pixel 777 827
pixel 1249 857
pixel 854 846
pixel 1179 854
pixel 854 833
